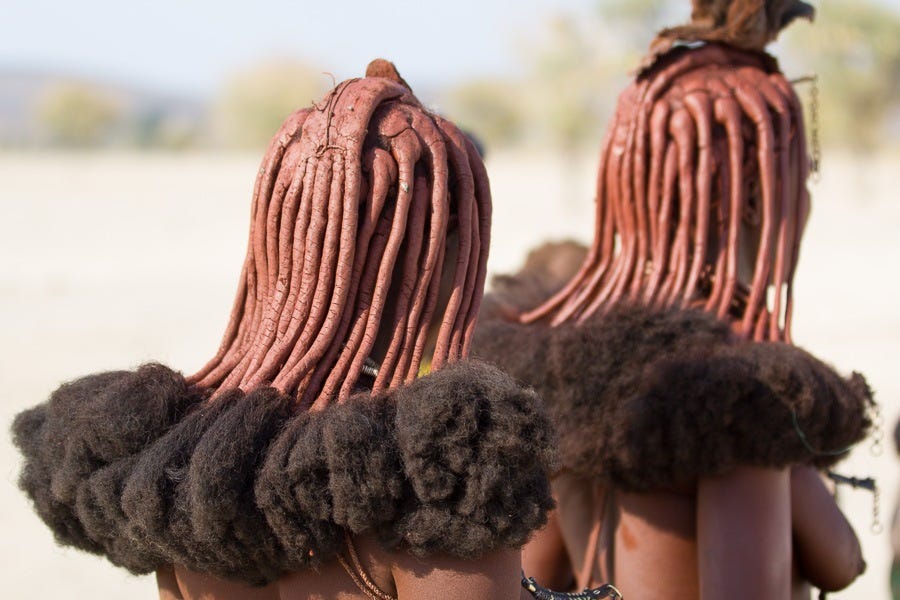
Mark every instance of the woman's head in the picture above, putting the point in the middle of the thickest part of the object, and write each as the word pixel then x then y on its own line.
pixel 364 204
pixel 701 195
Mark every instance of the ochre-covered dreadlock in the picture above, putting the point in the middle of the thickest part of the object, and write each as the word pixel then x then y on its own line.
pixel 348 237
pixel 707 148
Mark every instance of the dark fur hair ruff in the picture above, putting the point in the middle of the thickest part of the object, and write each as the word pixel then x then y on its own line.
pixel 649 400
pixel 134 465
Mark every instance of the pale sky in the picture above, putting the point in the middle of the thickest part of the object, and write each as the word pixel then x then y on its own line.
pixel 190 46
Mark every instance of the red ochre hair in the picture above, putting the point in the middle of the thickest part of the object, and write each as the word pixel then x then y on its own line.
pixel 349 230
pixel 705 140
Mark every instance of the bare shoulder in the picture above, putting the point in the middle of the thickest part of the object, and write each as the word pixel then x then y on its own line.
pixel 201 586
pixel 826 548
pixel 494 576
pixel 402 575
pixel 744 534
pixel 167 583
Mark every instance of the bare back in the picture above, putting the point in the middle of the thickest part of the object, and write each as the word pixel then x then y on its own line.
pixel 752 533
pixel 647 543
pixel 397 574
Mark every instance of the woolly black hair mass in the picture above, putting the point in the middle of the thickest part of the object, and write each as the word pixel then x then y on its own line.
pixel 650 400
pixel 142 468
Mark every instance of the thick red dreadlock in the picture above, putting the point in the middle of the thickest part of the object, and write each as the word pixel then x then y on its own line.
pixel 705 158
pixel 348 238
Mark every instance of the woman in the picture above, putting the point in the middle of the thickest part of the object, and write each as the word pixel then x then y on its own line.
pixel 338 444
pixel 690 427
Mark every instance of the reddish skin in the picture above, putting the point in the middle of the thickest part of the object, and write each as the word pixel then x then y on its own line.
pixel 494 576
pixel 542 560
pixel 727 538
pixel 655 534
pixel 167 584
pixel 828 551
pixel 198 586
pixel 399 574
pixel 744 534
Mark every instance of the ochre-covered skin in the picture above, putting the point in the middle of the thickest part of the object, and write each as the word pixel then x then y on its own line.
pixel 696 547
pixel 400 575
pixel 665 421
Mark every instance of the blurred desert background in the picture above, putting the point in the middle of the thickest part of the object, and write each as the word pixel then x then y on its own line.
pixel 127 160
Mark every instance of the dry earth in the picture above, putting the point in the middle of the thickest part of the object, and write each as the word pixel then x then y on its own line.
pixel 112 260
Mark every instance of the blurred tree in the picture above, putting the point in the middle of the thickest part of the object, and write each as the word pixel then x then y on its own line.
pixel 630 25
pixel 577 64
pixel 158 128
pixel 581 61
pixel 854 48
pixel 255 102
pixel 575 67
pixel 490 109
pixel 564 71
pixel 78 115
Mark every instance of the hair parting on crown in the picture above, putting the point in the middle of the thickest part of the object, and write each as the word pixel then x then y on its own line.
pixel 349 228
pixel 704 140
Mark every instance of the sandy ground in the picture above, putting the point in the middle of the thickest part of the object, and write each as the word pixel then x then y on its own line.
pixel 109 261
